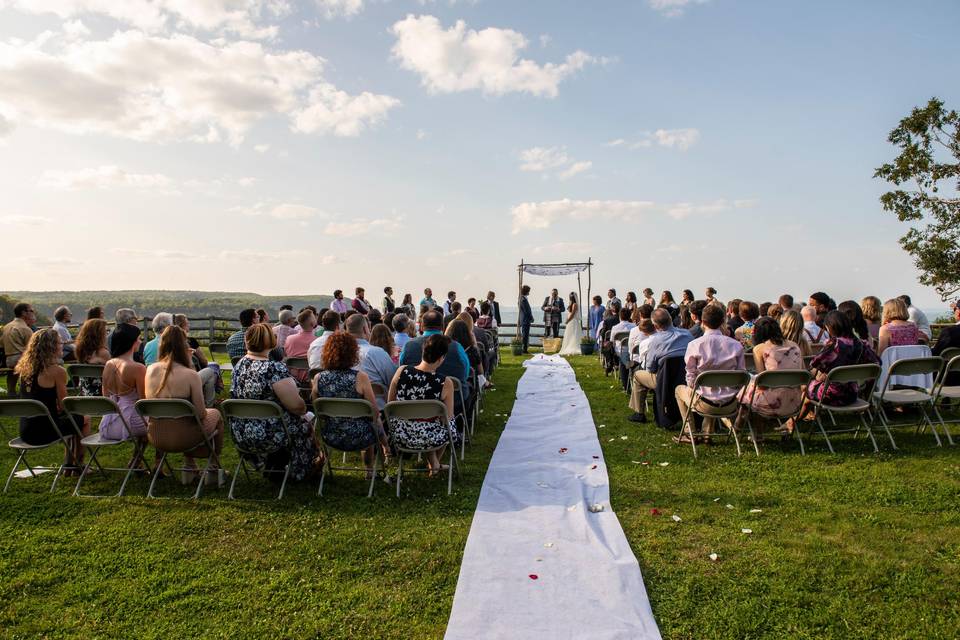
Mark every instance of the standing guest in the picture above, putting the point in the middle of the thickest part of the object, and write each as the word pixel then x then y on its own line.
pixel 298 346
pixel 749 312
pixel 666 342
pixel 454 312
pixel 612 300
pixel 710 294
pixel 494 308
pixel 161 321
pixel 257 377
pixel 387 303
pixel 791 326
pixel 854 314
pixel 785 302
pixel 427 299
pixel 43 379
pixel 262 317
pixel 341 379
pixel 360 305
pixel 448 303
pixel 733 315
pixel 17 334
pixel 92 349
pixel 331 324
pixel 648 297
pixel 713 351
pixel 424 382
pixel 918 318
pixel 950 337
pixel 62 317
pixel 666 300
pixel 872 309
pixel 339 305
pixel 209 376
pixel 525 317
pixel 630 301
pixel 595 315
pixel 773 352
pixel 686 298
pixel 172 377
pixel 124 382
pixel 406 307
pixel 815 333
pixel 897 330
pixel 235 345
pixel 401 325
pixel 95 313
pixel 472 309
pixel 696 317
pixel 381 336
pixel 552 310
pixel 286 326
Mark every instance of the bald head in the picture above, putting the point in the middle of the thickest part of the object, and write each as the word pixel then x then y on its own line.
pixel 809 313
pixel 661 319
pixel 357 326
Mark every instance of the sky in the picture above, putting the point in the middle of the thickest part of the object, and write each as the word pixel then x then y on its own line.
pixel 277 146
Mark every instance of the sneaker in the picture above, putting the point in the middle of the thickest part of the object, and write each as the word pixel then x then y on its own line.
pixel 637 417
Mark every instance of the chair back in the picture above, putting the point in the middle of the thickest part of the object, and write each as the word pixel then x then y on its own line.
pixel 250 409
pixel 90 406
pixel 218 347
pixel 298 363
pixel 26 408
pixel 416 410
pixel 782 379
pixel 728 379
pixel 916 366
pixel 167 409
pixel 950 353
pixel 859 373
pixel 343 408
pixel 85 370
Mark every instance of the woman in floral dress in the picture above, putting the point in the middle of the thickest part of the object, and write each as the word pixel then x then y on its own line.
pixel 773 352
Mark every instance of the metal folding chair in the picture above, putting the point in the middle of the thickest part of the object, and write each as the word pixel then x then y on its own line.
pixel 221 348
pixel 75 371
pixel 920 398
pixel 345 408
pixel 733 381
pixel 458 393
pixel 98 407
pixel 943 392
pixel 238 410
pixel 422 410
pixel 865 375
pixel 171 409
pixel 774 379
pixel 33 409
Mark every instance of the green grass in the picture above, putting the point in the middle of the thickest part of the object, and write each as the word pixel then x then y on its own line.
pixel 851 545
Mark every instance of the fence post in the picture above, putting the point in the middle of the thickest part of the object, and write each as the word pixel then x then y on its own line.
pixel 213 325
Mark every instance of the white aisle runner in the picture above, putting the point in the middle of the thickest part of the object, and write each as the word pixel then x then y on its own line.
pixel 538 563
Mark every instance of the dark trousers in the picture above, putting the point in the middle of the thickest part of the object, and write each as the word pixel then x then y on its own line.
pixel 552 329
pixel 525 336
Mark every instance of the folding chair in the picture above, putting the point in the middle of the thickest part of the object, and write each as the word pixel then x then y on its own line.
pixel 98 407
pixel 458 393
pixel 237 410
pixel 221 348
pixel 33 409
pixel 920 398
pixel 171 409
pixel 943 392
pixel 75 371
pixel 731 380
pixel 345 408
pixel 775 379
pixel 865 375
pixel 422 410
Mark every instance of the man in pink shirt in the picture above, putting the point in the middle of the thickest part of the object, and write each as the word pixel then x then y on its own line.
pixel 298 344
pixel 711 352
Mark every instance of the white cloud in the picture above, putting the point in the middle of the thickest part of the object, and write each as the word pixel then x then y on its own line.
pixel 284 211
pixel 562 248
pixel 158 88
pixel 548 159
pixel 261 148
pixel 334 8
pixel 673 8
pixel 541 215
pixel 680 139
pixel 421 134
pixel 575 168
pixel 362 226
pixel 247 182
pixel 103 177
pixel 25 221
pixel 619 142
pixel 156 254
pixel 458 59
pixel 274 256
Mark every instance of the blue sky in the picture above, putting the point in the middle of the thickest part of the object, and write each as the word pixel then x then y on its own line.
pixel 281 146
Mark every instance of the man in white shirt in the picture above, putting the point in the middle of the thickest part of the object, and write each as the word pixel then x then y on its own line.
pixel 448 303
pixel 815 333
pixel 918 317
pixel 331 323
pixel 624 326
pixel 613 300
pixel 63 317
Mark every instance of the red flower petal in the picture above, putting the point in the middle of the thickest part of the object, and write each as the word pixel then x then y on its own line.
pixel 534 576
pixel 654 512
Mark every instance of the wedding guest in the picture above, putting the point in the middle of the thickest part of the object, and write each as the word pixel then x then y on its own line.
pixel 872 309
pixel 749 312
pixel 298 346
pixel 791 326
pixel 765 308
pixel 696 314
pixel 950 337
pixel 401 336
pixel 612 300
pixel 126 316
pixel 854 314
pixel 815 333
pixel 286 326
pixel 262 316
pixel 630 301
pixel 161 321
pixel 485 320
pixel 918 318
pixel 686 298
pixel 772 352
pixel 637 334
pixel 427 299
pixel 666 342
pixel 595 315
pixel 733 316
pixel 331 324
pixel 96 313
pixel 785 302
pixel 454 312
pixel 235 345
pixel 209 376
pixel 406 307
pixel 684 320
pixel 624 326
pixel 124 382
pixel 822 304
pixel 494 308
pixel 381 336
pixel 91 348
pixel 339 305
pixel 387 304
pixel 374 318
pixel 62 317
pixel 897 330
pixel 456 363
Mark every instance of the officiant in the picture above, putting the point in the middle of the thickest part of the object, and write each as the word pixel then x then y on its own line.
pixel 552 311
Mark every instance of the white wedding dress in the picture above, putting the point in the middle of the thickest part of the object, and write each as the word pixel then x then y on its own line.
pixel 572 333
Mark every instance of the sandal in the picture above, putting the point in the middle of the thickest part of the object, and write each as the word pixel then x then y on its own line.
pixel 436 472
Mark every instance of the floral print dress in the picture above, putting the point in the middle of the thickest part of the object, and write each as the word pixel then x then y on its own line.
pixel 414 384
pixel 777 402
pixel 343 434
pixel 254 380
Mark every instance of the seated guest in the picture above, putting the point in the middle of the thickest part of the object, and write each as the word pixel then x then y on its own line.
pixel 684 320
pixel 775 311
pixel 918 318
pixel 17 334
pixel 487 345
pixel 764 309
pixel 450 315
pixel 644 330
pixel 341 379
pixel 160 322
pixel 381 336
pixel 814 332
pixel 285 327
pixel 126 316
pixel 950 338
pixel 486 320
pixel 257 377
pixel 374 361
pixel 460 331
pixel 262 317
pixel 209 376
pixel 424 381
pixel 124 382
pixel 91 348
pixel 773 352
pixel 401 335
pixel 455 364
pixel 610 317
pixel 854 314
pixel 173 376
pixel 43 379
pixel 374 317
pixel 331 324
pixel 595 315
pixel 298 345
pixel 624 326
pixel 872 309
pixel 749 312
pixel 62 317
pixel 472 309
pixel 668 341
pixel 897 330
pixel 822 304
pixel 785 302
pixel 733 315
pixel 360 304
pixel 713 351
pixel 235 346
pixel 96 313
pixel 696 314
pixel 791 326
pixel 339 305
pixel 637 336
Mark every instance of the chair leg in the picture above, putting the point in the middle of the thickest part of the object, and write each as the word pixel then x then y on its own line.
pixel 933 427
pixel 866 426
pixel 399 471
pixel 86 467
pixel 236 474
pixel 453 458
pixel 13 472
pixel 283 485
pixel 824 431
pixel 373 477
pixel 943 423
pixel 153 480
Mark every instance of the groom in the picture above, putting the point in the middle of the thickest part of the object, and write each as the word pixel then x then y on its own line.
pixel 526 317
pixel 552 310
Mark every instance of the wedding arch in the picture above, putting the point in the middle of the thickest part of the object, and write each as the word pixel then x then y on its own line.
pixel 560 269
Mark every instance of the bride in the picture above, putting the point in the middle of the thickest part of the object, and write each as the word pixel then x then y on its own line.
pixel 572 331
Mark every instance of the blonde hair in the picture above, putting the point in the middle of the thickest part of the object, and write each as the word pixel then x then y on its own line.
pixel 894 309
pixel 791 326
pixel 871 307
pixel 43 350
pixel 91 338
pixel 260 337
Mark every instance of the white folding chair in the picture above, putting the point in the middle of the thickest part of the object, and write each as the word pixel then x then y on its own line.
pixel 171 409
pixel 865 376
pixel 733 382
pixel 944 392
pixel 98 407
pixel 34 409
pixel 422 410
pixel 84 371
pixel 234 411
pixel 345 408
pixel 774 379
pixel 911 397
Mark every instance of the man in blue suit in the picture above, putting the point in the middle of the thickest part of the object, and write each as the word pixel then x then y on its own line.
pixel 526 317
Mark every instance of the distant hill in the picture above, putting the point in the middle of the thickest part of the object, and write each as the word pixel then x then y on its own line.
pixel 147 303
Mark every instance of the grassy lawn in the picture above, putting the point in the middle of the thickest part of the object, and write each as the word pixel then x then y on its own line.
pixel 851 545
